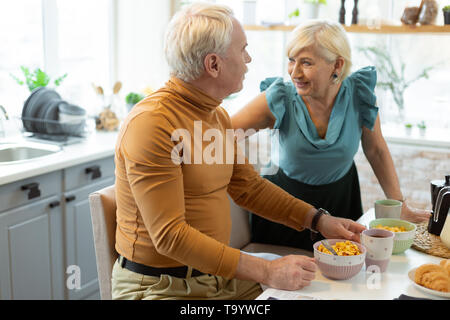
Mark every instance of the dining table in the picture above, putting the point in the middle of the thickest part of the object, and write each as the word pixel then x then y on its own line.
pixel 392 284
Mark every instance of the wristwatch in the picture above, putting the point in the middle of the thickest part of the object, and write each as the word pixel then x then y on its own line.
pixel 316 218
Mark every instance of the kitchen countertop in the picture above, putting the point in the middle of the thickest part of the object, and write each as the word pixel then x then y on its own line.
pixel 366 286
pixel 97 145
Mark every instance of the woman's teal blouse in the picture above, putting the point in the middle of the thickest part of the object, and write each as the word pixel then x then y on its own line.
pixel 302 154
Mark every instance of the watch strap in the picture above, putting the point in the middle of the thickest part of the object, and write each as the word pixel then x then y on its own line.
pixel 316 218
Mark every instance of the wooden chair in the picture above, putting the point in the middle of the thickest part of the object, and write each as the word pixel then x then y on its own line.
pixel 103 215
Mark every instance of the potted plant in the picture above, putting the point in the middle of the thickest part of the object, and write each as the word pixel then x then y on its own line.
pixel 311 8
pixel 132 98
pixel 408 128
pixel 446 11
pixel 422 127
pixel 36 78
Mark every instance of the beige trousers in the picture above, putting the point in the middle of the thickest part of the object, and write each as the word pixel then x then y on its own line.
pixel 129 285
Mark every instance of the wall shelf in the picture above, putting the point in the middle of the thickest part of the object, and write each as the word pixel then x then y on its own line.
pixel 386 29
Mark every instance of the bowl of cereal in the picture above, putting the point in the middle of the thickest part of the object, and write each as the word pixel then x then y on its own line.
pixel 404 232
pixel 346 264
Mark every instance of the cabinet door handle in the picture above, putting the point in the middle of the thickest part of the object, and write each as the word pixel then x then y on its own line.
pixel 54 204
pixel 33 190
pixel 70 198
pixel 95 170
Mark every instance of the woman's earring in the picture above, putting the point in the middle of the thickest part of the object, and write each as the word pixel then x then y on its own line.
pixel 335 77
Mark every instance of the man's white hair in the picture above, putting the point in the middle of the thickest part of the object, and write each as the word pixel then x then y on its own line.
pixel 193 33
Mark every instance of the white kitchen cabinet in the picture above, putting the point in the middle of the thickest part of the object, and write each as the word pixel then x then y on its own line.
pixel 31 251
pixel 45 227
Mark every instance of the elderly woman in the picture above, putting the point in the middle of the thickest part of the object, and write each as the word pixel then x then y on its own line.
pixel 322 115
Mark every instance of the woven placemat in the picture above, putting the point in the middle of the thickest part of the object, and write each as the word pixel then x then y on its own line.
pixel 429 243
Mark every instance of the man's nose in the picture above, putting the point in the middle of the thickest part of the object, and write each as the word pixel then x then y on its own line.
pixel 249 59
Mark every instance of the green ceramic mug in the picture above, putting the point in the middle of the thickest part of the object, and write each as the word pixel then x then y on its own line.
pixel 388 208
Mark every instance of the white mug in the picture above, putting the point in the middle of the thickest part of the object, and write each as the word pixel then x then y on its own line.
pixel 388 208
pixel 379 244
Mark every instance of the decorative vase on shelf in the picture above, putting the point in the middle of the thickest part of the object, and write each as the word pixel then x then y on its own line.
pixel 355 13
pixel 342 12
pixel 428 12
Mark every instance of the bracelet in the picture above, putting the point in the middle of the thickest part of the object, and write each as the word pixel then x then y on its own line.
pixel 316 218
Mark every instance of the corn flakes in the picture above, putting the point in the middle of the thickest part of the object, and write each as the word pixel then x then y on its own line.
pixel 346 248
pixel 393 229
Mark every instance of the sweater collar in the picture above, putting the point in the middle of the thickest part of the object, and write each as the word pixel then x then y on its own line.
pixel 193 94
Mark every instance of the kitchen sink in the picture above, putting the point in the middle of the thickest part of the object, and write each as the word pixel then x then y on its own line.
pixel 18 152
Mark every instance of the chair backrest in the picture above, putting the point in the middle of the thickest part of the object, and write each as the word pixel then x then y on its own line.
pixel 240 226
pixel 103 215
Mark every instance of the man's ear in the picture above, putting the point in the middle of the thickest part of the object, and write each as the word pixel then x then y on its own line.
pixel 212 64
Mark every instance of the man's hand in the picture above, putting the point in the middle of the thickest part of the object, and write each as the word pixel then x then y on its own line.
pixel 337 228
pixel 291 272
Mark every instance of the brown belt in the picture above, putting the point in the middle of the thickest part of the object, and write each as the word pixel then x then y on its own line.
pixel 179 272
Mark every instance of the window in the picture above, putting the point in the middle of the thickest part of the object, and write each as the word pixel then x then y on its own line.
pixel 22 42
pixel 58 36
pixel 84 50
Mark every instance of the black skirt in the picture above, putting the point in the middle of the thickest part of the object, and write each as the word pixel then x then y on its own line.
pixel 341 198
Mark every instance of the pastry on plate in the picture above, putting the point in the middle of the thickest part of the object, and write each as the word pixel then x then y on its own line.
pixel 446 265
pixel 433 276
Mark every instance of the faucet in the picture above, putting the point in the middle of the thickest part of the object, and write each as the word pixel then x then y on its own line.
pixel 2 127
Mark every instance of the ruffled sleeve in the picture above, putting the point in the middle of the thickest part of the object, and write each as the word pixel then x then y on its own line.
pixel 276 95
pixel 365 81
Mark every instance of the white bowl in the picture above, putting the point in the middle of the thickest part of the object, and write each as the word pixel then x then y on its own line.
pixel 339 267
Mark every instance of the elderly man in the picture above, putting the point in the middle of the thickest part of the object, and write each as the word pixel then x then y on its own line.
pixel 173 214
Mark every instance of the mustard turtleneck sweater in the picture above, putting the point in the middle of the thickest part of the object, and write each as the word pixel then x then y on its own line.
pixel 172 214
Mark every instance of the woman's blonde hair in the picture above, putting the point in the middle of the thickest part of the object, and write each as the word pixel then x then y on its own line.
pixel 193 33
pixel 328 38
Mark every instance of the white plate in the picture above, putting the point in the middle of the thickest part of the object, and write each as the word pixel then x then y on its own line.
pixel 424 289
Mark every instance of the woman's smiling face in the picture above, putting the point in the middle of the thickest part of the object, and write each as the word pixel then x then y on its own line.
pixel 310 73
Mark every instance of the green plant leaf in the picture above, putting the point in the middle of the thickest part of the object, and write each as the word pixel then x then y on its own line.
pixel 37 78
pixel 421 125
pixel 295 13
pixel 42 79
pixel 133 98
pixel 60 79
pixel 20 82
pixel 317 1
